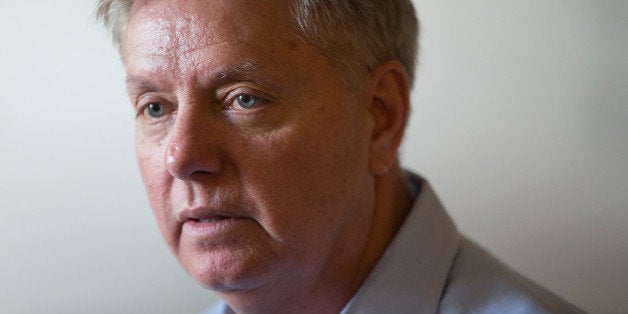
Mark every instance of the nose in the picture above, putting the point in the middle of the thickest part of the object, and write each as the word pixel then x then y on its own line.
pixel 193 146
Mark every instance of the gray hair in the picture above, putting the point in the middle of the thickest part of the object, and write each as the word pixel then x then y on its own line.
pixel 357 35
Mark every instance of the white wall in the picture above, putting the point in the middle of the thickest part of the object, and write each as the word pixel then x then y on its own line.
pixel 76 232
pixel 520 123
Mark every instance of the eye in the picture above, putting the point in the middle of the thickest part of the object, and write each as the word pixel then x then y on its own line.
pixel 155 110
pixel 246 101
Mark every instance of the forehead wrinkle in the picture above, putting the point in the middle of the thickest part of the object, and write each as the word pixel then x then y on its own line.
pixel 190 50
pixel 173 36
pixel 191 38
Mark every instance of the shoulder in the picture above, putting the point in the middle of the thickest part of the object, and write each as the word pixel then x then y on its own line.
pixel 479 283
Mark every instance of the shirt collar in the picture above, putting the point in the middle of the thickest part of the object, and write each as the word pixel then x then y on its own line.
pixel 412 273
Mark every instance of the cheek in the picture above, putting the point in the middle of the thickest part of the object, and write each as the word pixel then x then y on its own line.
pixel 309 180
pixel 150 161
pixel 157 183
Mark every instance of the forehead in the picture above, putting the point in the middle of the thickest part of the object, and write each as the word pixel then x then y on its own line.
pixel 191 28
pixel 215 18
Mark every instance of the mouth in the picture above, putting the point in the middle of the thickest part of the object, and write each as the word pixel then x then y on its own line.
pixel 211 222
pixel 216 226
pixel 211 219
pixel 204 215
pixel 216 220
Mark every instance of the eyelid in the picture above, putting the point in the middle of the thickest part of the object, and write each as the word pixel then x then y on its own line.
pixel 232 103
pixel 231 89
pixel 231 97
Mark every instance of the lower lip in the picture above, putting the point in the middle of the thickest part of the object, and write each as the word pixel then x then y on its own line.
pixel 213 227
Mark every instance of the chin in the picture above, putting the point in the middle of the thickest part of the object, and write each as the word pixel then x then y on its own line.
pixel 228 271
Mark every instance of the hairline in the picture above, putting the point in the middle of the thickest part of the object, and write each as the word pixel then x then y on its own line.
pixel 354 76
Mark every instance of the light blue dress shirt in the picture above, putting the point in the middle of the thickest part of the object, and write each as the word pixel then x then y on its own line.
pixel 430 268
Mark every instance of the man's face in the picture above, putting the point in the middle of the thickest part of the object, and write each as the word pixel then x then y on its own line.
pixel 254 155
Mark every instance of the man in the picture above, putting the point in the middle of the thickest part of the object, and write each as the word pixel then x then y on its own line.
pixel 267 136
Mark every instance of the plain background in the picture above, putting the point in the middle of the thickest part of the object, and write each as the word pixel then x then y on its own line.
pixel 520 122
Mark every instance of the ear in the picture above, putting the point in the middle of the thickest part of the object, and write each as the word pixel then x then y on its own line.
pixel 389 107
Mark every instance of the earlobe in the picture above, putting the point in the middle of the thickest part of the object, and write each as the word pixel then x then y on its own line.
pixel 390 105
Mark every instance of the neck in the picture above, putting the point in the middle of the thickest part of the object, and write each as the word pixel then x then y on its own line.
pixel 392 204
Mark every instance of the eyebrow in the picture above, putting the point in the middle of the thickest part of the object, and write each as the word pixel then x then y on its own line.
pixel 138 83
pixel 238 71
pixel 247 71
pixel 243 71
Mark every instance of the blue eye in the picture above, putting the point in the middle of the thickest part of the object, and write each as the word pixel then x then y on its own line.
pixel 155 110
pixel 246 101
